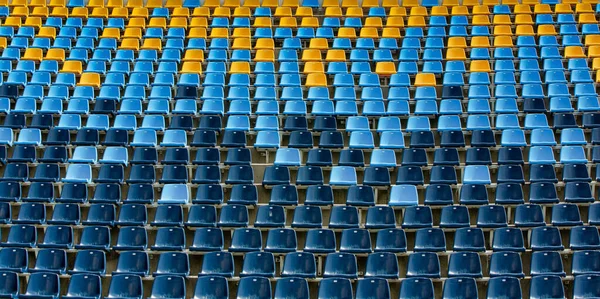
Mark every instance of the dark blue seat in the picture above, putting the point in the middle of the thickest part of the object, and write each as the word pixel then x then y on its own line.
pixel 508 239
pixel 454 217
pixel 46 173
pixel 380 217
pixel 438 194
pixel 21 236
pixel 506 264
pixel 173 263
pixel 545 238
pixel 430 239
pixel 299 264
pixel 254 287
pixel 211 287
pixel 335 288
pixel 57 236
pixel 246 240
pixel 343 217
pixel 416 288
pixel 101 214
pixel 391 240
pixel 217 264
pixel 460 287
pixel 584 238
pixel 382 265
pixel 125 286
pixel 546 286
pixel 31 213
pixel 469 239
pixel 233 216
pixel 51 260
pixel 132 238
pixel 423 265
pixel 281 240
pixel 94 237
pixel 491 216
pixel 293 287
pixel 42 285
pixel 209 194
pixel 90 261
pixel 141 174
pixel 132 262
pixel 168 287
pixel 276 175
pixel 529 215
pixel 10 191
pixel 504 287
pixel 417 217
pixel 240 175
pixel 169 238
pixel 546 263
pixel 283 195
pixel 464 264
pixel 40 192
pixel 355 241
pixel 132 215
pixel 243 194
pixel 13 259
pixel 258 264
pixel 320 241
pixel 168 215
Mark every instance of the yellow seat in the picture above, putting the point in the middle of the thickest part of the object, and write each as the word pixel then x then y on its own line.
pixel 480 66
pixel 288 22
pixel 350 3
pixel 139 12
pixel 416 21
pixel 335 55
pixel 356 12
pixel 596 65
pixel 460 11
pixel 522 9
pixel 395 22
pixel 130 44
pixel 72 66
pixel 309 22
pixel 346 32
pixel 457 42
pixel 450 3
pixel 95 3
pixel 49 32
pixel 55 54
pixel 502 20
pixel 369 32
pixel 481 10
pixel 510 2
pixel 525 30
pixel 333 11
pixel 89 79
pixel 262 22
pixel 480 42
pixel 523 19
pixel 100 12
pixel 502 30
pixel 242 12
pixel 265 43
pixel 252 3
pixel 59 3
pixel 290 3
pixel 240 67
pixel 152 44
pixel 13 22
pixel 241 44
pixel 419 11
pixel 33 22
pixel 598 76
pixel 544 29
pixel 583 8
pixel 456 54
pixel 14 3
pixel 283 12
pixel 490 2
pixel 571 1
pixel 212 3
pixel 120 12
pixel 316 79
pixel 193 55
pixel 20 11
pixel 390 33
pixel 304 12
pixel 219 33
pixel 587 18
pixel 542 9
pixel 269 3
pixel 563 8
pixel 158 23
pixel 470 3
pixel 481 20
pixel 530 2
pixel 178 22
pixel 34 54
pixel 3 43
pixel 373 22
pixel 503 41
pixel 330 3
pixel 199 22
pixel 40 12
pixel 425 79
pixel 173 4
pixel 311 55
pixel 153 3
pixel 390 3
pixel 385 68
pixel 133 32
pixel 241 32
pixel 318 43
pixel 397 12
pixel 61 12
pixel 267 55
pixel 201 12
pixel 191 67
pixel 410 3
pixel 314 67
pixel 232 3
pixel 593 52
pixel 370 3
pixel 574 52
pixel 592 40
pixel 197 32
pixel 111 33
pixel 439 11
pixel 222 12
pixel 183 12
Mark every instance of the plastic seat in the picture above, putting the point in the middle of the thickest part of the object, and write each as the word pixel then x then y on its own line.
pixel 125 285
pixel 94 237
pixel 423 265
pixel 42 285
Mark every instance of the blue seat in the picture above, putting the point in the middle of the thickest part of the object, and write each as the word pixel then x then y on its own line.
pixel 546 286
pixel 42 285
pixel 13 259
pixel 423 265
pixel 382 265
pixel 125 285
pixel 172 263
pixel 132 238
pixel 217 264
pixel 355 241
pixel 506 264
pixel 546 238
pixel 331 288
pixel 94 237
pixel 546 263
pixel 460 287
pixel 207 239
pixel 90 261
pixel 504 287
pixel 233 216
pixel 416 288
pixel 404 195
pixel 343 217
pixel 84 286
pixel 391 240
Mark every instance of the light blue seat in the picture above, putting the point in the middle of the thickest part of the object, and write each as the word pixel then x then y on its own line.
pixel 267 139
pixel 153 122
pixel 391 140
pixel 536 121
pixel 267 123
pixel 213 107
pixel 84 154
pixel 361 140
pixel 69 122
pixel 269 107
pixel 342 176
pixel 426 107
pixel 115 155
pixel 27 136
pixel 513 137
pixel 388 123
pixel 383 158
pixel 418 123
pixel 357 123
pixel 287 157
pixel 507 121
pixel 7 136
pixel 572 136
pixel 98 121
pixel 478 122
pixel 541 155
pixel 543 137
pixel 239 107
pixel 374 108
pixel 294 108
pixel 588 104
pixel 572 154
pixel 447 123
pixel 238 123
pixel 175 194
pixel 78 173
pixel 125 122
pixel 145 137
pixel 174 138
pixel 185 107
pixel 476 175
pixel 322 107
pixel 157 107
pixel 403 196
pixel 562 104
